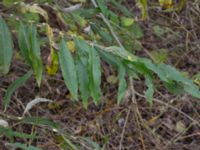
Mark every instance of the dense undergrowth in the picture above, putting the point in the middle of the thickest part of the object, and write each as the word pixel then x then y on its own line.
pixel 80 43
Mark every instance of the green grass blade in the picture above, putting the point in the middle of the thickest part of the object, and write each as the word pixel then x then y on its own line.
pixel 150 91
pixel 103 7
pixel 6 47
pixel 10 133
pixel 23 42
pixel 24 146
pixel 30 49
pixel 16 84
pixel 40 121
pixel 122 83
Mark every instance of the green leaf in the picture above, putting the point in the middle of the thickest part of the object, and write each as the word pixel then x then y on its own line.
pixel 159 56
pixel 10 133
pixel 196 78
pixel 94 145
pixel 6 48
pixel 137 31
pixel 82 50
pixel 126 22
pixel 40 121
pixel 95 75
pixel 34 43
pixel 192 90
pixel 159 31
pixel 168 74
pixel 173 74
pixel 30 49
pixel 122 53
pixel 83 81
pixel 16 84
pixel 150 91
pixel 68 69
pixel 121 8
pixel 174 87
pixel 103 7
pixel 137 46
pixel 24 146
pixel 155 68
pixel 9 3
pixel 109 58
pixel 37 67
pixel 122 83
pixel 23 41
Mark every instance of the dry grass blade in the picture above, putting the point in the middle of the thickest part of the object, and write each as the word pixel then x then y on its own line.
pixel 34 102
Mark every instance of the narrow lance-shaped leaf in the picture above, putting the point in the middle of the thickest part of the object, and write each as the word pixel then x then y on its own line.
pixel 23 41
pixel 40 121
pixel 16 84
pixel 82 50
pixel 23 146
pixel 37 67
pixel 30 49
pixel 122 83
pixel 10 133
pixel 68 69
pixel 103 7
pixel 6 47
pixel 34 43
pixel 83 81
pixel 95 75
pixel 150 91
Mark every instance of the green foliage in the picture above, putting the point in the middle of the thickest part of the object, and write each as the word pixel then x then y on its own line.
pixel 159 31
pixel 6 48
pixel 150 90
pixel 9 3
pixel 83 81
pixel 24 146
pixel 40 121
pixel 11 134
pixel 103 7
pixel 94 44
pixel 30 49
pixel 94 75
pixel 68 69
pixel 121 8
pixel 82 69
pixel 16 84
pixel 122 83
pixel 137 31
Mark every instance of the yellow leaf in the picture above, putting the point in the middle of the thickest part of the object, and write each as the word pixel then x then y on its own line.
pixel 49 31
pixel 52 65
pixel 142 4
pixel 71 46
pixel 152 120
pixel 167 4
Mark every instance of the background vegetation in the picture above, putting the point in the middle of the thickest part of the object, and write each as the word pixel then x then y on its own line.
pixel 99 74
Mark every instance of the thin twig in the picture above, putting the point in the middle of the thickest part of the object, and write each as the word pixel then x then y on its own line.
pixel 138 116
pixel 124 128
pixel 108 24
